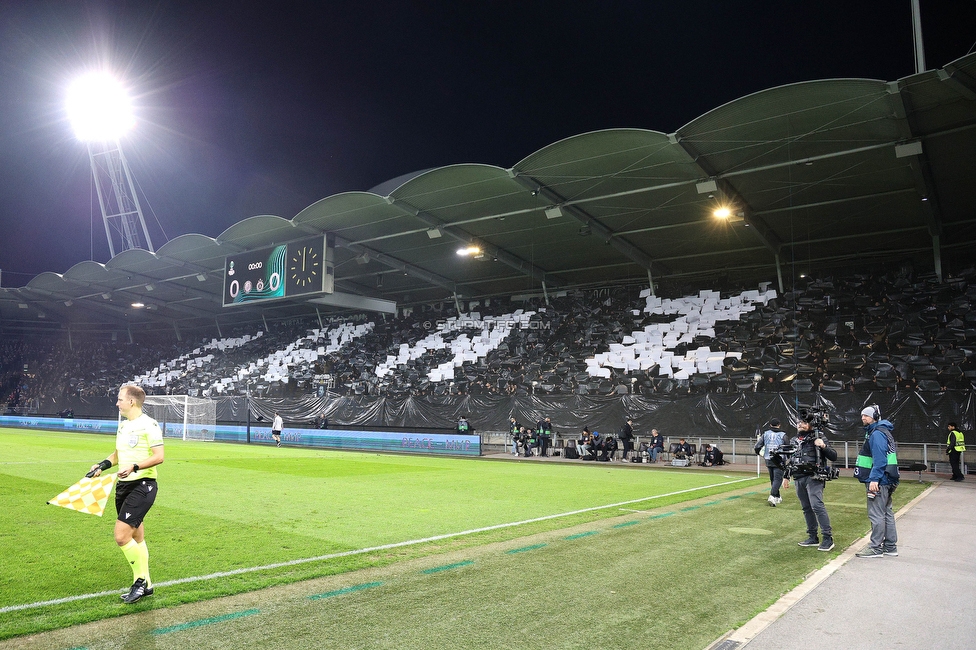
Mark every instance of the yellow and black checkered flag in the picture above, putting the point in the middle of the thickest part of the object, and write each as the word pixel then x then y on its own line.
pixel 87 495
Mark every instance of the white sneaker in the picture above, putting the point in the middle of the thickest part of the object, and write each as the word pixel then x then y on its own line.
pixel 772 501
pixel 779 500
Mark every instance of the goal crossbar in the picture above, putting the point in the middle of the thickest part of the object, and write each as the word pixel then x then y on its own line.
pixel 183 416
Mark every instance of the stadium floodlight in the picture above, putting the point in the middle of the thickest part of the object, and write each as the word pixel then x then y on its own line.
pixel 722 212
pixel 469 250
pixel 99 108
pixel 100 112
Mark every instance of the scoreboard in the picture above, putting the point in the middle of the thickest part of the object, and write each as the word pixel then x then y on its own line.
pixel 306 266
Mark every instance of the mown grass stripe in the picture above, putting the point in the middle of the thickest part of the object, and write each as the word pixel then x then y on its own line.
pixel 448 567
pixel 626 523
pixel 206 621
pixel 526 548
pixel 586 534
pixel 361 551
pixel 345 590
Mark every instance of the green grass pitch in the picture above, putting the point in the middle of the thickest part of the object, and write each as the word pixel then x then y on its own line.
pixel 229 509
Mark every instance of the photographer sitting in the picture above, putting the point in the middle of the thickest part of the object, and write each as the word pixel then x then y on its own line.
pixel 712 456
pixel 607 448
pixel 656 445
pixel 809 471
pixel 596 446
pixel 521 440
pixel 585 444
pixel 683 450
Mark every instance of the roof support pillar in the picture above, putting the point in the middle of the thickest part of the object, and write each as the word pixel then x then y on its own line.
pixel 457 305
pixel 219 333
pixel 937 256
pixel 319 316
pixel 779 274
pixel 650 282
pixel 545 292
pixel 914 153
pixel 176 328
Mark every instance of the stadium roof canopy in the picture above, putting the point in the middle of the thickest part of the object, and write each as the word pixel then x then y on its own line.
pixel 818 176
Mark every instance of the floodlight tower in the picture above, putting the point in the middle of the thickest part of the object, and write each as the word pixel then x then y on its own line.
pixel 101 112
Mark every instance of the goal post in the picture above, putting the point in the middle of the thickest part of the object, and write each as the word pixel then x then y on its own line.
pixel 182 416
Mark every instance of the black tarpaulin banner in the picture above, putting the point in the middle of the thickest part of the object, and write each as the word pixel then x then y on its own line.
pixel 918 416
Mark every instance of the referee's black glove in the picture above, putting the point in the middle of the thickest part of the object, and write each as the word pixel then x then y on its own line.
pixel 102 466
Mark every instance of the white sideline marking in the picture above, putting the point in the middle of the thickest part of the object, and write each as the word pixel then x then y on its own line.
pixel 361 551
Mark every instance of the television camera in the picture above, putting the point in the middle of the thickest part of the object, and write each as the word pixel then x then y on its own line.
pixel 807 460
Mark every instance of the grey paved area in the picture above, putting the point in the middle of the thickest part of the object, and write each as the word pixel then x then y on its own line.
pixel 924 598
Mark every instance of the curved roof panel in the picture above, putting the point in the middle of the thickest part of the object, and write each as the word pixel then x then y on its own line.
pixel 819 175
pixel 608 162
pixel 258 231
pixel 190 247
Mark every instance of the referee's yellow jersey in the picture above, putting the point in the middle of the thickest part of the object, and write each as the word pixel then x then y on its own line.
pixel 134 442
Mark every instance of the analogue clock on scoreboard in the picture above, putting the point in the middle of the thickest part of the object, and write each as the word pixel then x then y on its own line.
pixel 283 271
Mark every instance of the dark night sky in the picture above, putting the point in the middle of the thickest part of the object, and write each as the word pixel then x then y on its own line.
pixel 264 108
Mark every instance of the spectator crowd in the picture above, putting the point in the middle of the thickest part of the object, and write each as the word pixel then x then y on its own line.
pixel 888 331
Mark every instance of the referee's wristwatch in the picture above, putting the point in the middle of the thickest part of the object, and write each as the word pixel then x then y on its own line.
pixel 135 468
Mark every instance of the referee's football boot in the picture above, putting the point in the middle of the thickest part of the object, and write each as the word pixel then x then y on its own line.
pixel 138 590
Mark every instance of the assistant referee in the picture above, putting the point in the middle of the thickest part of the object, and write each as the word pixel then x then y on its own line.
pixel 138 449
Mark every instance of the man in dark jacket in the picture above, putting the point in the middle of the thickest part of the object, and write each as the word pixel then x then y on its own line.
pixel 683 450
pixel 712 456
pixel 812 454
pixel 514 429
pixel 627 437
pixel 656 445
pixel 543 435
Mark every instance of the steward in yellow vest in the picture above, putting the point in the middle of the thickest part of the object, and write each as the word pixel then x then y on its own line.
pixel 955 445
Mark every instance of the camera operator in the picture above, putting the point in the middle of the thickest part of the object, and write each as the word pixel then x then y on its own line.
pixel 809 476
pixel 767 445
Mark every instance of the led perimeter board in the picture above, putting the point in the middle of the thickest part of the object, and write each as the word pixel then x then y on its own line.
pixel 297 268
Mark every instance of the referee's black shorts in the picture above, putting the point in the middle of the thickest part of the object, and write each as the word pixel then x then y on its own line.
pixel 133 499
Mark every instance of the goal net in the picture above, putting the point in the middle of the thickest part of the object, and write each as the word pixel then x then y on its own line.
pixel 182 416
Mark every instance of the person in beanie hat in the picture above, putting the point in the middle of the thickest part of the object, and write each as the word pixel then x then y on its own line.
pixel 877 467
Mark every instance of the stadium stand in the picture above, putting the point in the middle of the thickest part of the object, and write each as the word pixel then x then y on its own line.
pixel 860 333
